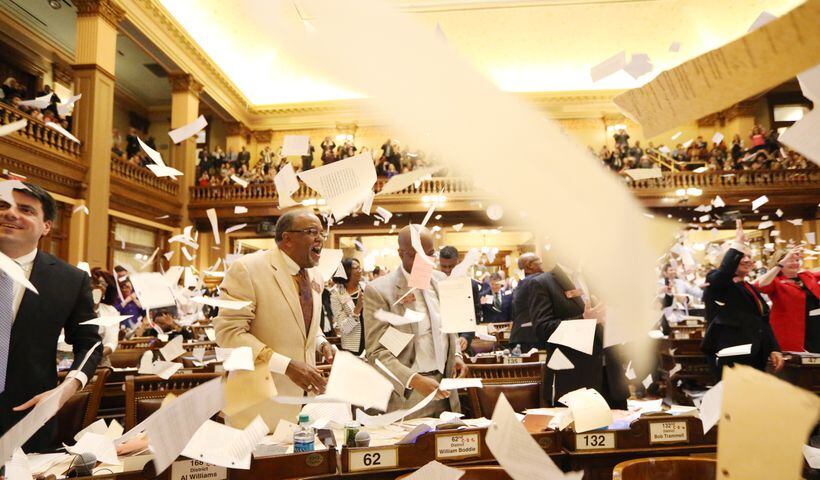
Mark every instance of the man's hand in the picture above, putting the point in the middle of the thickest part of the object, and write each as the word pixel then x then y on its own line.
pixel 426 385
pixel 777 360
pixel 327 352
pixel 462 344
pixel 740 236
pixel 598 312
pixel 460 368
pixel 68 388
pixel 309 378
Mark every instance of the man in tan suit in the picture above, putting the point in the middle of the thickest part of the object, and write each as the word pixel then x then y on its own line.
pixel 281 324
pixel 430 355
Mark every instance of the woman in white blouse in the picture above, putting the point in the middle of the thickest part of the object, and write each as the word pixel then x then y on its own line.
pixel 347 302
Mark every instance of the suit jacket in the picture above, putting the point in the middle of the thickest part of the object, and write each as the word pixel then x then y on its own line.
pixel 469 336
pixel 63 303
pixel 490 315
pixel 788 317
pixel 522 330
pixel 274 320
pixel 740 317
pixel 381 294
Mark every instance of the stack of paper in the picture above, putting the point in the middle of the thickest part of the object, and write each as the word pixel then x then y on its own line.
pixel 589 409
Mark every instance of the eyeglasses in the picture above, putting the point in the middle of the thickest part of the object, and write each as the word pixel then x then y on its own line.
pixel 312 231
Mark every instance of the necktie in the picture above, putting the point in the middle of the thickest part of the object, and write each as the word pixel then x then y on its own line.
pixel 754 295
pixel 6 319
pixel 305 297
pixel 497 302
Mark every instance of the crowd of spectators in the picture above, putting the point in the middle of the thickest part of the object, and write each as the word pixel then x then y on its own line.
pixel 14 93
pixel 763 152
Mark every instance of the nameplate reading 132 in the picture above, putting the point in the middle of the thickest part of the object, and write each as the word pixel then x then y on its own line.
pixel 458 445
pixel 373 459
pixel 668 432
pixel 595 441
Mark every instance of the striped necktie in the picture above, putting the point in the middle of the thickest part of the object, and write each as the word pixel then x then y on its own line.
pixel 6 319
pixel 305 297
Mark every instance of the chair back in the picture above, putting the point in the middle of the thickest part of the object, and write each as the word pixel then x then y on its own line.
pixel 81 409
pixel 477 473
pixel 520 395
pixel 498 374
pixel 667 468
pixel 144 394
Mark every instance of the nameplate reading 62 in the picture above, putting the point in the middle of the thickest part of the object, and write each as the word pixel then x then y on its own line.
pixel 373 459
pixel 595 441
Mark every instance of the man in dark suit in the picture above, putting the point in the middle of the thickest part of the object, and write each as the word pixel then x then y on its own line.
pixel 447 261
pixel 737 314
pixel 522 332
pixel 496 304
pixel 30 323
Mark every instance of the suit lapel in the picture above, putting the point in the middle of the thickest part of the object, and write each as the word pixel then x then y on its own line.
pixel 288 287
pixel 401 289
pixel 29 305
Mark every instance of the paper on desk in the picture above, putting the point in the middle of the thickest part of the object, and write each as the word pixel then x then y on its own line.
pixel 12 127
pixel 410 316
pixel 13 270
pixel 608 66
pixel 210 333
pixel 470 258
pixel 286 184
pixel 745 349
pixel 643 173
pixel 334 413
pixel 515 449
pixel 395 341
pixel 743 452
pixel 295 146
pixel 329 262
pixel 399 182
pixel 199 353
pixel 589 409
pixel 225 446
pixel 736 71
pixel 173 349
pixel 18 467
pixel 169 428
pixel 187 131
pixel 100 445
pixel 343 184
pixel 421 273
pixel 284 432
pixel 456 305
pixel 146 365
pixel 436 471
pixel 576 334
pixel 98 427
pixel 456 383
pixel 241 358
pixel 220 303
pixel 559 361
pixel 17 435
pixel 710 406
pixel 354 381
pixel 394 416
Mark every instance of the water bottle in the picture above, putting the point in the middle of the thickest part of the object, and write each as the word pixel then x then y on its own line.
pixel 516 351
pixel 303 436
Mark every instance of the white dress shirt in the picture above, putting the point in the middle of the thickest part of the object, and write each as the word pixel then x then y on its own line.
pixel 425 352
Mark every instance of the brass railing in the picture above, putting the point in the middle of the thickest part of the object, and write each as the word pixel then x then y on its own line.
pixel 143 176
pixel 38 133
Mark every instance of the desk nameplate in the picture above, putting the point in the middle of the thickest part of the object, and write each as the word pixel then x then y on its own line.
pixel 380 458
pixel 458 445
pixel 668 432
pixel 196 469
pixel 595 441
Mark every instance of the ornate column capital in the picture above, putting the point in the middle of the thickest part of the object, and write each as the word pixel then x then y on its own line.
pixel 62 72
pixel 184 82
pixel 263 136
pixel 107 9
pixel 235 128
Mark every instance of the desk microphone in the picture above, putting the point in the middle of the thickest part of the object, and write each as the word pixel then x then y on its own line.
pixel 82 465
pixel 362 439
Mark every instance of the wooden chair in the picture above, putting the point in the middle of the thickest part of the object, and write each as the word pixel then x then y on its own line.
pixel 520 395
pixel 503 374
pixel 667 468
pixel 144 394
pixel 477 473
pixel 207 345
pixel 81 409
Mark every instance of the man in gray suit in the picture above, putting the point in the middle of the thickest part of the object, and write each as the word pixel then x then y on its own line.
pixel 430 355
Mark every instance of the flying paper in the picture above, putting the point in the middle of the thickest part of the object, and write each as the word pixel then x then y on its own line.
pixel 456 305
pixel 759 202
pixel 237 210
pixel 107 322
pixel 62 131
pixel 211 212
pixel 410 316
pixel 639 65
pixel 295 145
pixel 399 182
pixel 559 361
pixel 286 185
pixel 219 303
pixel 15 271
pixel 235 228
pixel 608 66
pixel 12 127
pixel 735 350
pixel 395 341
pixel 589 409
pixel 187 131
pixel 343 184
pixel 329 261
pixel 241 358
pixel 241 182
pixel 576 334
pixel 357 383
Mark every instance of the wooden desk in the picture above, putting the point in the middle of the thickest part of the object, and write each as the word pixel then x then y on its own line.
pixel 803 372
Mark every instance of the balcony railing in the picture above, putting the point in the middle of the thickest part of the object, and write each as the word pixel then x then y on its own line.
pixel 37 133
pixel 142 176
pixel 720 180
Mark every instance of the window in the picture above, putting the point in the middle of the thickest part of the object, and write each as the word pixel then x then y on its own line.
pixel 789 113
pixel 132 246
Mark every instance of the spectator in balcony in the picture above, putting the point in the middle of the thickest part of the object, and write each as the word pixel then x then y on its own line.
pixel 347 150
pixel 204 179
pixel 645 161
pixel 679 153
pixel 266 159
pixel 328 151
pixel 758 137
pixel 132 147
pixel 347 303
pixel 11 88
pixel 231 157
pixel 636 151
pixel 737 147
pixel 621 139
pixel 129 304
pixel 772 144
pixel 307 160
pixel 243 158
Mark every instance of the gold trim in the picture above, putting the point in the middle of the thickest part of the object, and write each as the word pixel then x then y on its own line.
pixel 109 10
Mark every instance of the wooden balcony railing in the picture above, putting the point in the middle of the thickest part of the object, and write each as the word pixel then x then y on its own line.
pixel 37 133
pixel 143 177
pixel 719 180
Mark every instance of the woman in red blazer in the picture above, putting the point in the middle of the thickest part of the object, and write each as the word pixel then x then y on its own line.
pixel 794 295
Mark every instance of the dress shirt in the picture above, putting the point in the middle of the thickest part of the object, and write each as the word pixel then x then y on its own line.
pixel 425 358
pixel 278 363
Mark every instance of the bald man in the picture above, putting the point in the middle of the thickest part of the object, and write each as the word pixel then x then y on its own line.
pixel 522 332
pixel 431 355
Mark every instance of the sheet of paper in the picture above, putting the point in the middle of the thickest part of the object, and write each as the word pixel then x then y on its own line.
pixel 410 316
pixel 295 145
pixel 235 228
pixel 456 383
pixel 173 349
pixel 735 350
pixel 38 103
pixel 812 456
pixel 638 66
pixel 436 471
pixel 811 238
pixel 241 358
pixel 286 184
pixel 456 305
pixel 395 340
pixel 329 262
pixel 354 381
pixel 239 209
pixel 421 273
pixel 674 47
pixel 17 435
pixel 343 184
pixel 165 370
pixel 470 258
pixel 608 66
pixel 187 131
pixel 152 290
pixel 384 213
pixel 810 83
pixel 12 127
pixel 394 416
pixel 66 107
pixel 164 171
pixel 732 73
pixel 399 182
pixel 589 409
pixel 762 19
pixel 100 445
pixel 428 215
pixel 107 322
pixel 211 213
pixel 240 181
pixel 171 427
pixel 199 353
pixel 559 361
pixel 765 225
pixel 742 451
pixel 759 202
pixel 643 173
pixel 515 449
pixel 284 432
pixel 220 303
pixel 152 154
pixel 211 334
pixel 18 467
pixel 334 413
pixel 98 427
pixel 13 270
pixel 576 334
pixel 233 448
pixel 415 241
pixel 710 406
pixel 802 136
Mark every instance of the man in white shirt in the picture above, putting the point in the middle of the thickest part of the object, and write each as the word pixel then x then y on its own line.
pixel 29 350
pixel 431 355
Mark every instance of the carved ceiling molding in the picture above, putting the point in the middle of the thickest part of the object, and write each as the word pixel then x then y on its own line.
pixel 185 83
pixel 107 9
pixel 236 128
pixel 62 72
pixel 263 136
pixel 745 108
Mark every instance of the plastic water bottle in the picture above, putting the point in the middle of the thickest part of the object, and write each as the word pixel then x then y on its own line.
pixel 516 351
pixel 303 437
